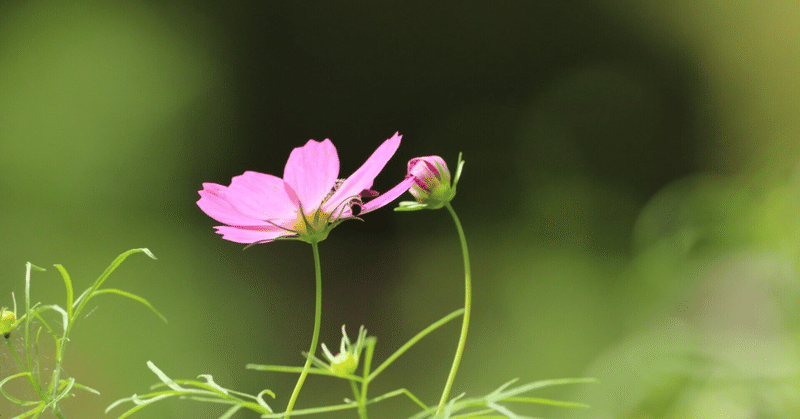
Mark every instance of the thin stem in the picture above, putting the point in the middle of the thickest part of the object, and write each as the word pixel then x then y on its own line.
pixel 58 414
pixel 31 379
pixel 34 381
pixel 362 411
pixel 315 337
pixel 413 341
pixel 349 405
pixel 60 348
pixel 467 309
pixel 362 401
pixel 354 387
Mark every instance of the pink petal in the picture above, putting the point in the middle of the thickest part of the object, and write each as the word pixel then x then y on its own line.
pixel 311 172
pixel 240 235
pixel 363 177
pixel 262 197
pixel 389 196
pixel 214 203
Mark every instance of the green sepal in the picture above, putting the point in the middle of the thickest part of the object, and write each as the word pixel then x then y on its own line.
pixel 410 206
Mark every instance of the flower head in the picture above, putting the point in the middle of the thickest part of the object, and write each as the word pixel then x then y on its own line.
pixel 432 188
pixel 7 319
pixel 306 203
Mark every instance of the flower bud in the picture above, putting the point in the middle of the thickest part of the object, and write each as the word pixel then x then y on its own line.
pixel 344 363
pixel 7 319
pixel 432 187
pixel 432 177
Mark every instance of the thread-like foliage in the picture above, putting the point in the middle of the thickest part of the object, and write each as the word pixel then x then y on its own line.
pixel 50 391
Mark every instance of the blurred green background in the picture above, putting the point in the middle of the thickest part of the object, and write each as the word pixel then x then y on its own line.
pixel 630 194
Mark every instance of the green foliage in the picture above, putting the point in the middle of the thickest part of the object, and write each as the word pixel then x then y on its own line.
pixel 459 407
pixel 205 391
pixel 51 391
pixel 479 407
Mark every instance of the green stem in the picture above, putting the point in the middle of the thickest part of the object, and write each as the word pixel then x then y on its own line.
pixel 315 337
pixel 58 414
pixel 60 348
pixel 34 381
pixel 413 342
pixel 31 379
pixel 467 309
pixel 362 401
pixel 354 387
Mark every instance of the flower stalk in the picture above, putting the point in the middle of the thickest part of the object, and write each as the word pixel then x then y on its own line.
pixel 467 310
pixel 315 335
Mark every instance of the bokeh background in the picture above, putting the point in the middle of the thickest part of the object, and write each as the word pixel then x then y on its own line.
pixel 630 194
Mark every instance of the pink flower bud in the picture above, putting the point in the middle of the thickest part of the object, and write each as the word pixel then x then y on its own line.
pixel 432 187
pixel 431 176
pixel 431 181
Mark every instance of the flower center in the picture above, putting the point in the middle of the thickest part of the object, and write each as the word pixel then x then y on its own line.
pixel 309 225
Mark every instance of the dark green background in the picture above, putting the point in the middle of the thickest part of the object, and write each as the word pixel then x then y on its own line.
pixel 630 194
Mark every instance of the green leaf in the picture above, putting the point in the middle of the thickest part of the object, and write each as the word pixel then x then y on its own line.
pixel 163 377
pixel 210 382
pixel 35 411
pixel 68 285
pixel 298 370
pixel 549 402
pixel 87 295
pixel 230 412
pixel 500 395
pixel 11 398
pixel 28 267
pixel 66 385
pixel 132 297
pixel 260 399
pixel 139 404
pixel 208 392
pixel 503 394
pixel 86 388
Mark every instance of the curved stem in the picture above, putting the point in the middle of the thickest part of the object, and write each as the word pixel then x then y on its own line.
pixel 315 337
pixel 467 309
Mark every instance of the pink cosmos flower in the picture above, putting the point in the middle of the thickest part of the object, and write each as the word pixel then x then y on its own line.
pixel 306 204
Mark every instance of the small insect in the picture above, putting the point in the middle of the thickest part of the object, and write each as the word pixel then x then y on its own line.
pixel 355 203
pixel 336 186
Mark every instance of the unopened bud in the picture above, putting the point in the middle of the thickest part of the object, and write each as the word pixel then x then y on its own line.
pixel 7 319
pixel 432 187
pixel 344 363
